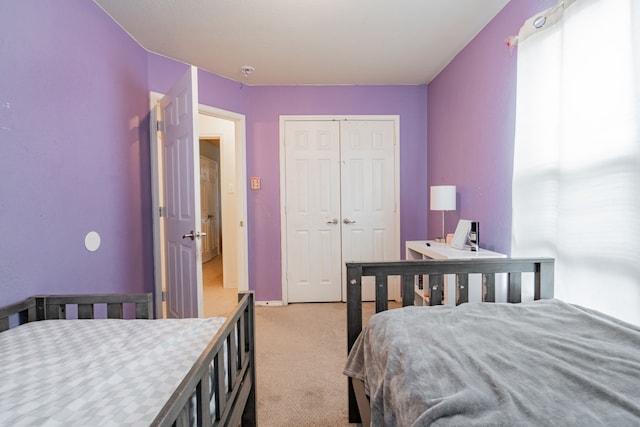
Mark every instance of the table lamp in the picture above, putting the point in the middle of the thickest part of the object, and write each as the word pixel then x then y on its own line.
pixel 443 198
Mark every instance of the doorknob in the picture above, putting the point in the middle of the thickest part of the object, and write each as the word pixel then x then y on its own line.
pixel 192 235
pixel 348 221
pixel 333 221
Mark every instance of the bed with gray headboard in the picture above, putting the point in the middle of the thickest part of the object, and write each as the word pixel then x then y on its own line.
pixel 97 369
pixel 540 362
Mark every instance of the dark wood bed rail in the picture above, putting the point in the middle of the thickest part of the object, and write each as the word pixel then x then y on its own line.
pixel 543 269
pixel 25 311
pixel 235 394
pixel 47 307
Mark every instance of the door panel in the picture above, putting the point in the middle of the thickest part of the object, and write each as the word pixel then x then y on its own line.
pixel 368 194
pixel 181 184
pixel 312 202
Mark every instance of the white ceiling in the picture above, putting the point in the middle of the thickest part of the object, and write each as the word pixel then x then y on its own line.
pixel 310 42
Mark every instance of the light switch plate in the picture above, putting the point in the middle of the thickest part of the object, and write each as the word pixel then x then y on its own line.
pixel 255 182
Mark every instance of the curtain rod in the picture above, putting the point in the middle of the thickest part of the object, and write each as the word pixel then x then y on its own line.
pixel 539 22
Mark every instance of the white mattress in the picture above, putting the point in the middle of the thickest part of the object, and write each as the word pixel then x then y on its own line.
pixel 96 372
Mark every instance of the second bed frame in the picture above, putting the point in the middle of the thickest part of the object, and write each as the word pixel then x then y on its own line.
pixel 542 268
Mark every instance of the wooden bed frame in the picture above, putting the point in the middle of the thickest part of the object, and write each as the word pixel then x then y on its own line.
pixel 543 269
pixel 235 407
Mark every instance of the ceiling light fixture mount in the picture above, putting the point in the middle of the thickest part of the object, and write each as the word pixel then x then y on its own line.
pixel 247 69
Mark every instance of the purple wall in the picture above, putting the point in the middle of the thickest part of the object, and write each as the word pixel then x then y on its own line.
pixel 267 103
pixel 72 157
pixel 213 90
pixel 472 125
pixel 74 146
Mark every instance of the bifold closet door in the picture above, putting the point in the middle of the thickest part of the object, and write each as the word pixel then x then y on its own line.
pixel 339 203
pixel 312 209
pixel 368 194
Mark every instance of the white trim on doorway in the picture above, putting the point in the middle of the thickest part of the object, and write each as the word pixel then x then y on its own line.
pixel 240 189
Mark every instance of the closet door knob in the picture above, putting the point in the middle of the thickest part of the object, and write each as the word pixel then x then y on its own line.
pixel 333 221
pixel 348 221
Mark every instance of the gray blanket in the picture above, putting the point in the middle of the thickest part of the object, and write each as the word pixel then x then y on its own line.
pixel 545 363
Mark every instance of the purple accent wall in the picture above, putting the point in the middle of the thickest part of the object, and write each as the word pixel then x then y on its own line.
pixel 471 129
pixel 73 152
pixel 267 103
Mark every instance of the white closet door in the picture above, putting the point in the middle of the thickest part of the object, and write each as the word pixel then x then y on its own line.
pixel 312 209
pixel 368 194
pixel 340 204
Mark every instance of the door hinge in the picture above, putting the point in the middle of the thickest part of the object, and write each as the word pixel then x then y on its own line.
pixel 159 126
pixel 164 295
pixel 162 211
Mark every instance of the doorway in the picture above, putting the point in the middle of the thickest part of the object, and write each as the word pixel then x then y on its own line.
pixel 232 192
pixel 218 202
pixel 218 300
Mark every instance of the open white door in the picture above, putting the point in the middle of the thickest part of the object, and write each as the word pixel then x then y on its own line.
pixel 181 184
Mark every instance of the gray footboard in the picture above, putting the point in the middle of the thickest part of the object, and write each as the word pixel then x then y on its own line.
pixel 543 269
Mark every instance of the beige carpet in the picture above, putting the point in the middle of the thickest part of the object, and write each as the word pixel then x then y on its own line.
pixel 301 350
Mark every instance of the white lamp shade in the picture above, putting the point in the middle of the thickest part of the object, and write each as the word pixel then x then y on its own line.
pixel 443 198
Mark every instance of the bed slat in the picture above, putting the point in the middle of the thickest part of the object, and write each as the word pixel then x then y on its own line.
pixel 514 289
pixel 232 361
pixel 382 294
pixel 543 282
pixel 85 311
pixel 202 398
pixel 408 283
pixel 114 311
pixel 55 312
pixel 462 284
pixel 243 346
pixel 435 289
pixel 489 281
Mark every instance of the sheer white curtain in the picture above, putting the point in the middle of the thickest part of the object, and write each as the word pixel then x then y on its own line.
pixel 576 179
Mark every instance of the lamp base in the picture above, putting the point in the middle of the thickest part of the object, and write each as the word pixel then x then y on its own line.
pixel 440 240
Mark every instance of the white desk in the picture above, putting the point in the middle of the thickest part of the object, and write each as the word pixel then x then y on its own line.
pixel 418 249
